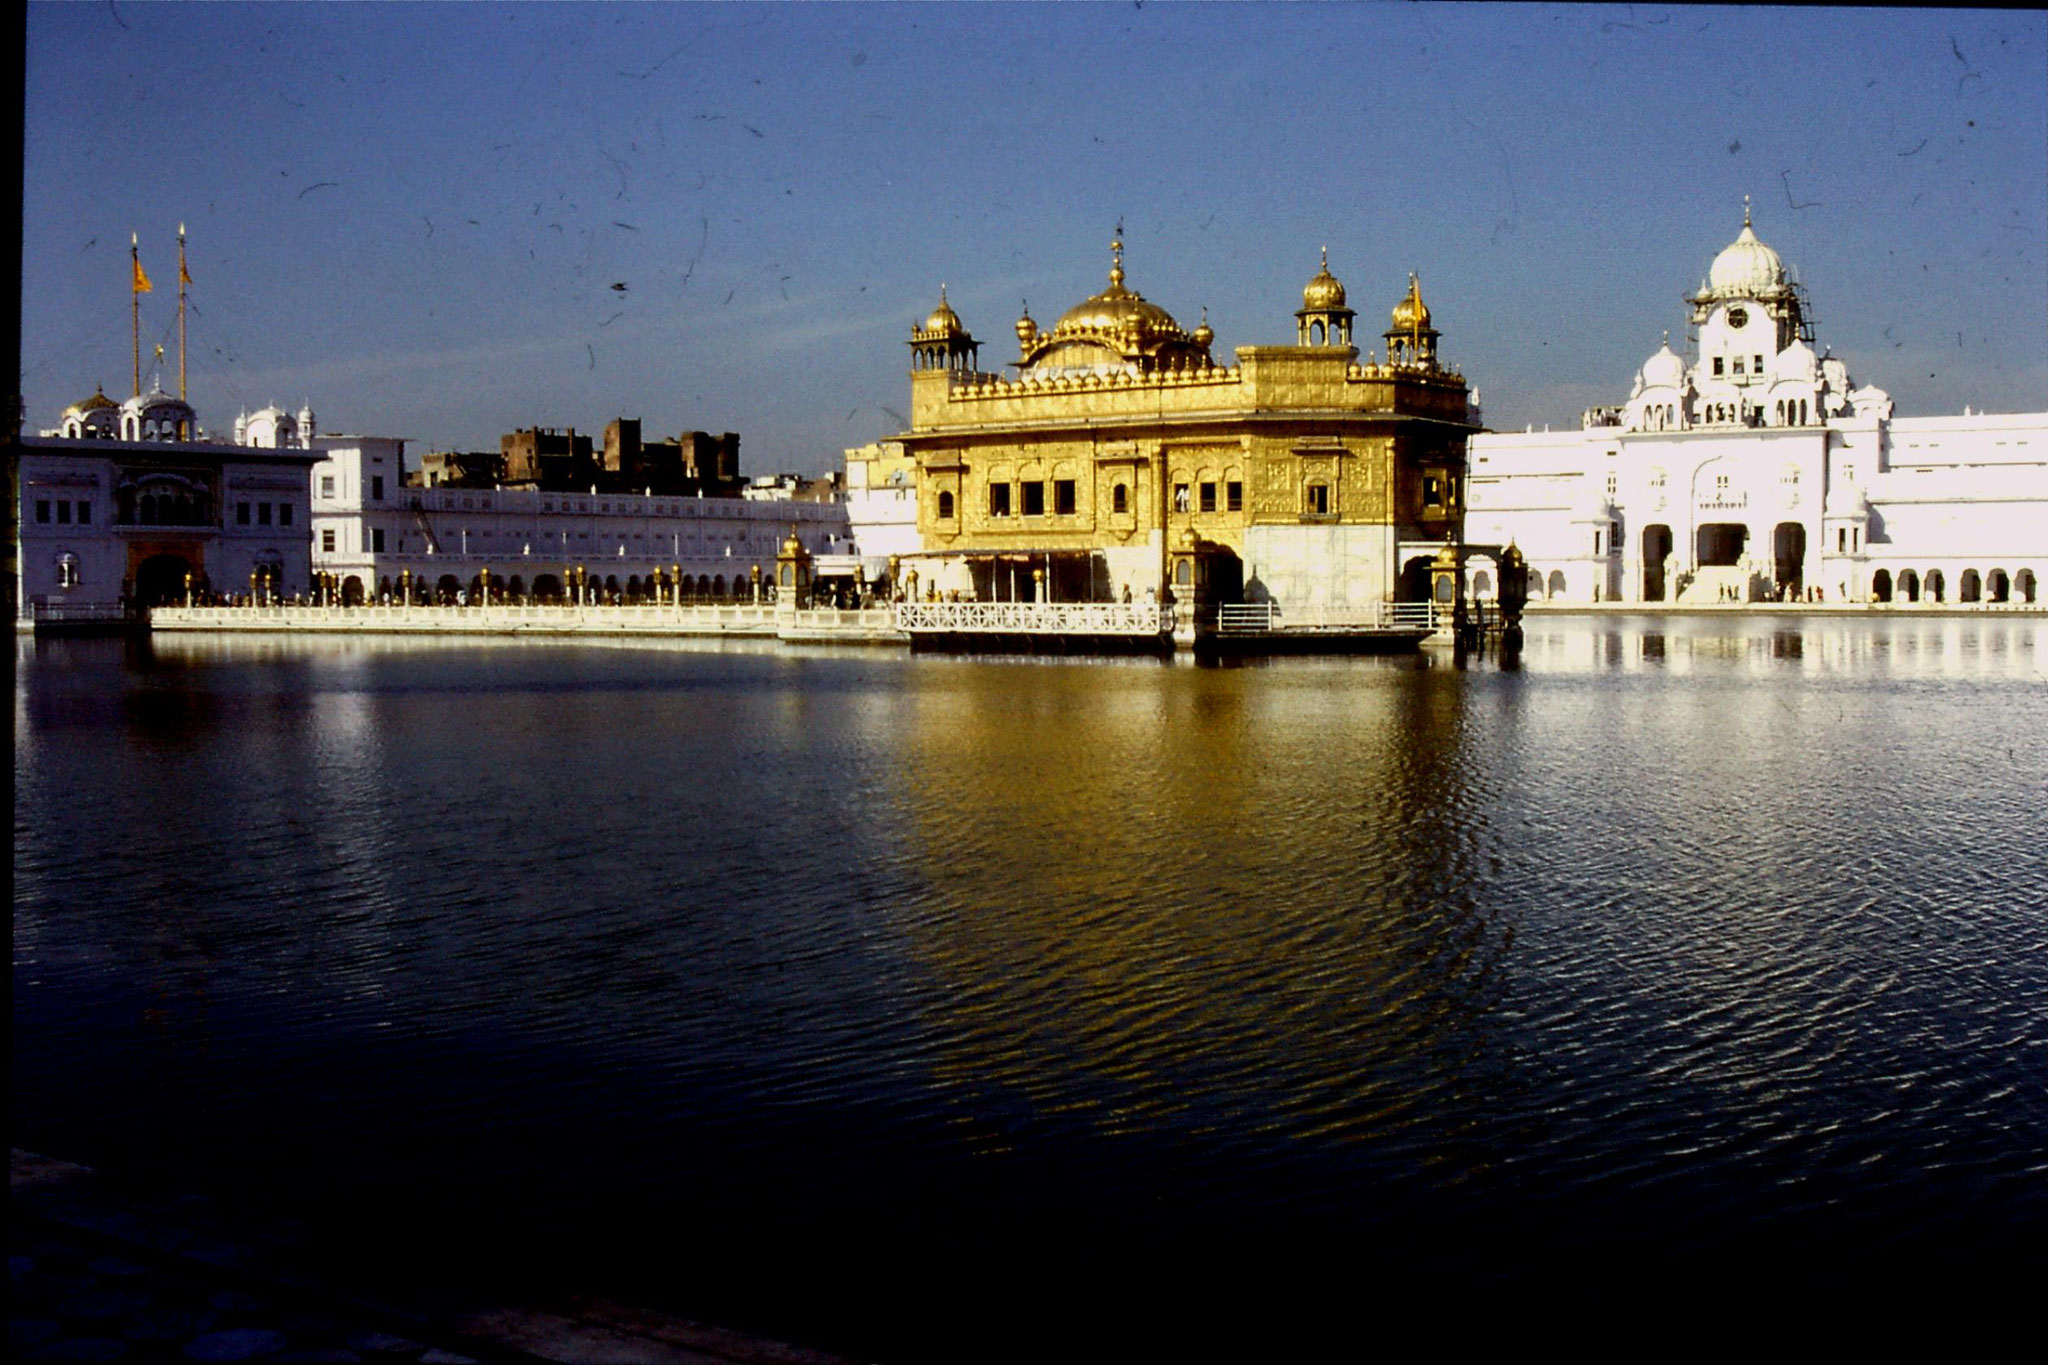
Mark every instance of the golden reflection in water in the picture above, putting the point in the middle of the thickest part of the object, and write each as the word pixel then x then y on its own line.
pixel 1161 843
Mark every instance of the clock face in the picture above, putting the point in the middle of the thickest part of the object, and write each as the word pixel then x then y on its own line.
pixel 1738 317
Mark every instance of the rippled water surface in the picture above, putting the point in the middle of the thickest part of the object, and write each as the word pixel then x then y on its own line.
pixel 856 995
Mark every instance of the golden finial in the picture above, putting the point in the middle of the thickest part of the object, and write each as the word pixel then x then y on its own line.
pixel 1745 210
pixel 1326 257
pixel 1116 256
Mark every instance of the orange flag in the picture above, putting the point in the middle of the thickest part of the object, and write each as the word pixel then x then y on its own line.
pixel 142 284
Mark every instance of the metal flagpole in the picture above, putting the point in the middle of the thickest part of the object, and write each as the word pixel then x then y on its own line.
pixel 183 280
pixel 137 284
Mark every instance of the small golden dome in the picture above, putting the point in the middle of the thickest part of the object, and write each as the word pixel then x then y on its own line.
pixel 793 548
pixel 1203 335
pixel 1325 291
pixel 943 318
pixel 1027 328
pixel 1410 314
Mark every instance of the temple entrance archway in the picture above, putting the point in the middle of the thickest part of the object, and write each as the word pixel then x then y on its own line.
pixel 1720 543
pixel 1656 553
pixel 1788 556
pixel 160 580
pixel 1226 576
pixel 1415 580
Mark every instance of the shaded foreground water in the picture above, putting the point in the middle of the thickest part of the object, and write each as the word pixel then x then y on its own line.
pixel 918 1006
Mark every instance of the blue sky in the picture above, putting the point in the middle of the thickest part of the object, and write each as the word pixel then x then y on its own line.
pixel 447 221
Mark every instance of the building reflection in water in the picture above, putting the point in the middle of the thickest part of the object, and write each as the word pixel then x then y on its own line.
pixel 1234 904
pixel 827 946
pixel 1892 645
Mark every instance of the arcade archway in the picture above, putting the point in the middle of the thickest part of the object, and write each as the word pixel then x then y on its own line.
pixel 1720 543
pixel 1788 556
pixel 1656 554
pixel 160 580
pixel 1415 580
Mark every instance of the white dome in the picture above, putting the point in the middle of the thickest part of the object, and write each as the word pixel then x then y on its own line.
pixel 1796 362
pixel 271 428
pixel 1746 268
pixel 1664 370
pixel 1836 374
pixel 156 402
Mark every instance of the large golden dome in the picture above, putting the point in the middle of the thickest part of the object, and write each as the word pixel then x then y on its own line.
pixel 1116 308
pixel 1113 310
pixel 1118 328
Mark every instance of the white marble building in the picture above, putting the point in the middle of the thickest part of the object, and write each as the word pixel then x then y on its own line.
pixel 125 505
pixel 375 535
pixel 881 499
pixel 1760 470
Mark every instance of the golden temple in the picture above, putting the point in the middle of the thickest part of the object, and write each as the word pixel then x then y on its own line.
pixel 1119 461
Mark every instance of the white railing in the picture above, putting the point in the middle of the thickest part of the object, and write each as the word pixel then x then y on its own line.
pixel 1036 618
pixel 67 613
pixel 497 616
pixel 843 618
pixel 1267 617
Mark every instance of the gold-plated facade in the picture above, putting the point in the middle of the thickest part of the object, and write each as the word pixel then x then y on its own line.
pixel 1119 435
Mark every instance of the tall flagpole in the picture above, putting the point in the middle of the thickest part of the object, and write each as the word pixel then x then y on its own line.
pixel 135 306
pixel 183 280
